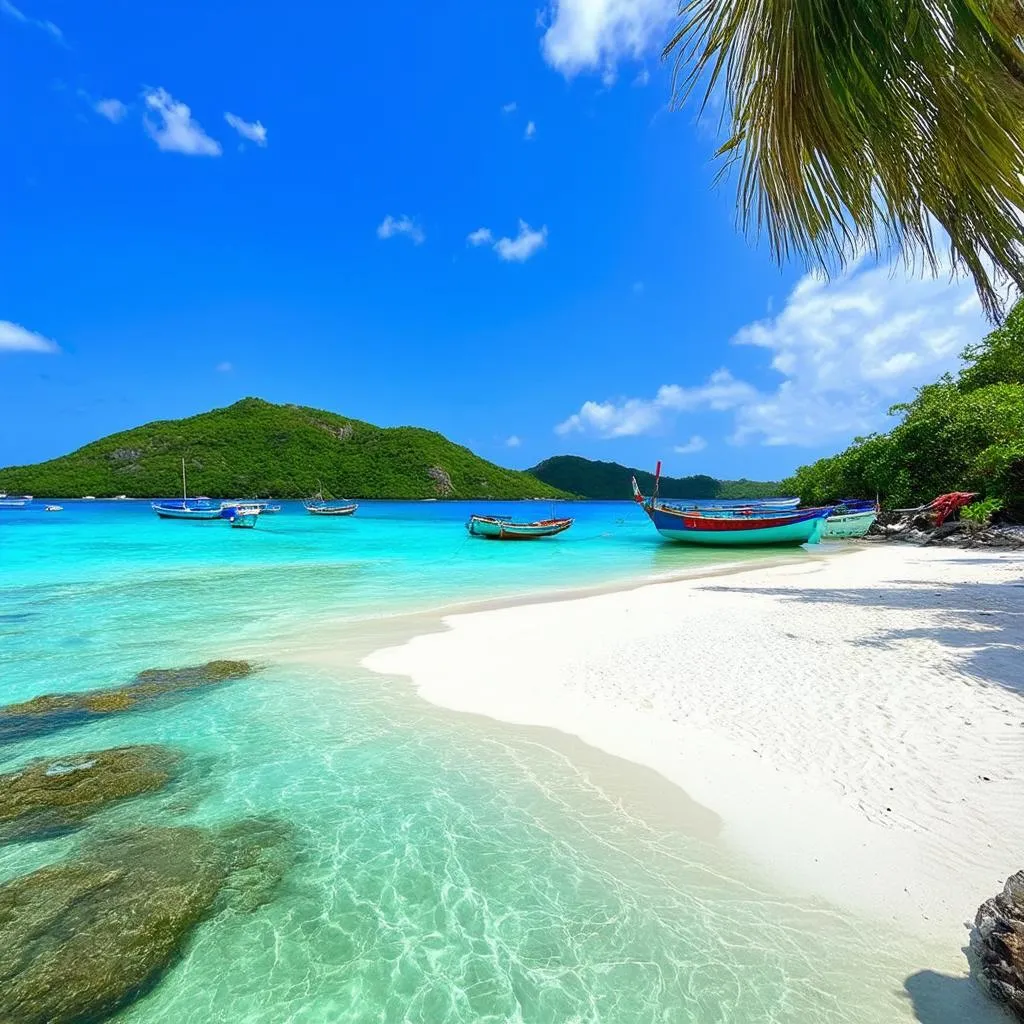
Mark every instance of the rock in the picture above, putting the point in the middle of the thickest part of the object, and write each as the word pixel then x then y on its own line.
pixel 940 533
pixel 51 796
pixel 82 939
pixel 53 711
pixel 442 481
pixel 997 942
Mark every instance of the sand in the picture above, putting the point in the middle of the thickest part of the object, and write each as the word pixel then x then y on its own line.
pixel 856 722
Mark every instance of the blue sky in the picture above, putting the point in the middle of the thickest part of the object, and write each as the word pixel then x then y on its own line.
pixel 478 218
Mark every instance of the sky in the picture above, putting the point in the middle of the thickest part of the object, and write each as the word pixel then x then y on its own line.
pixel 482 218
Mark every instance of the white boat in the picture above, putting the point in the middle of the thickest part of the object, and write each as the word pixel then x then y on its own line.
pixel 14 500
pixel 54 508
pixel 242 516
pixel 121 497
pixel 847 525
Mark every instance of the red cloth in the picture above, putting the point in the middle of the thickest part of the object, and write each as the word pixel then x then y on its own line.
pixel 946 504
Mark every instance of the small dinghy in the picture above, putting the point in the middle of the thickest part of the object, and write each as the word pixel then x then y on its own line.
pixel 502 528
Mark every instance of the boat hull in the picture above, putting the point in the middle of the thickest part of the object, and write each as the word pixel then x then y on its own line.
pixel 848 525
pixel 734 531
pixel 331 510
pixel 498 529
pixel 183 512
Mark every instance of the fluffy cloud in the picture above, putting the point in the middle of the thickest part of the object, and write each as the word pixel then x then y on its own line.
pixel 631 416
pixel 391 226
pixel 48 27
pixel 112 110
pixel 15 338
pixel 851 347
pixel 694 445
pixel 251 130
pixel 175 131
pixel 846 350
pixel 509 108
pixel 523 246
pixel 531 130
pixel 482 236
pixel 513 441
pixel 596 35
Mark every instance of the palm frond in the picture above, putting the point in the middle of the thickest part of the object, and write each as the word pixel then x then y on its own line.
pixel 867 124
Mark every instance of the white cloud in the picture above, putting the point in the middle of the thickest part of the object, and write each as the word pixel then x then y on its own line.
pixel 642 78
pixel 176 131
pixel 531 130
pixel 523 246
pixel 846 350
pixel 47 26
pixel 631 416
pixel 391 226
pixel 15 338
pixel 482 236
pixel 112 110
pixel 509 108
pixel 224 367
pixel 694 445
pixel 251 130
pixel 851 347
pixel 596 35
pixel 513 441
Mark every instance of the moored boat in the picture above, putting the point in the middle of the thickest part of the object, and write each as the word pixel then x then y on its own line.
pixel 758 527
pixel 318 505
pixel 186 508
pixel 54 508
pixel 842 524
pixel 14 500
pixel 242 516
pixel 502 528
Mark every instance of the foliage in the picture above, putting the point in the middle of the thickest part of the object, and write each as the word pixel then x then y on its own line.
pixel 965 433
pixel 257 448
pixel 610 481
pixel 981 512
pixel 865 123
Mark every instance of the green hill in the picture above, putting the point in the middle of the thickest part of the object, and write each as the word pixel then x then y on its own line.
pixel 256 448
pixel 610 481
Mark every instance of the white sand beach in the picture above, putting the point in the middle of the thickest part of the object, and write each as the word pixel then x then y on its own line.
pixel 856 722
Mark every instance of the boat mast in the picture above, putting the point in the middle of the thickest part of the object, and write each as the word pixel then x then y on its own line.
pixel 184 491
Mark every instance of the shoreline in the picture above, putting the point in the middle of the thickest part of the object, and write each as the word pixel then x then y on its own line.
pixel 917 855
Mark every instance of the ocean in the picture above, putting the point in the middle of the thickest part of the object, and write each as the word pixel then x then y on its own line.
pixel 440 868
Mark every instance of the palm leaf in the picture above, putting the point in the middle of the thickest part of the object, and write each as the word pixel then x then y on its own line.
pixel 868 124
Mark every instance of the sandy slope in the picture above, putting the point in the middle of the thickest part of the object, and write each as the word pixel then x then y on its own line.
pixel 857 722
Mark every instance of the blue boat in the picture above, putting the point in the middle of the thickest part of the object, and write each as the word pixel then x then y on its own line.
pixel 14 500
pixel 186 508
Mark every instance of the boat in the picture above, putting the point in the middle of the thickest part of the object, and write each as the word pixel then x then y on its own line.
pixel 318 505
pixel 14 500
pixel 502 528
pixel 844 524
pixel 242 516
pixel 88 497
pixel 54 508
pixel 759 527
pixel 120 497
pixel 264 506
pixel 186 508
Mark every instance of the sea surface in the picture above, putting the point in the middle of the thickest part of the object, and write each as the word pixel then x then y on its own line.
pixel 443 868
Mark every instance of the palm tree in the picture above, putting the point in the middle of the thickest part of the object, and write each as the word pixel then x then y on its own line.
pixel 860 124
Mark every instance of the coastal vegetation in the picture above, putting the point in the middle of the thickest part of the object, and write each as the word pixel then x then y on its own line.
pixel 610 481
pixel 865 126
pixel 963 432
pixel 257 448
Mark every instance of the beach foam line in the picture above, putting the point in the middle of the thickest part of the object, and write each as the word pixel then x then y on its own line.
pixel 857 723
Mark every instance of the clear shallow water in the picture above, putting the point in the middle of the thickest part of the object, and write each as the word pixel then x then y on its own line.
pixel 448 869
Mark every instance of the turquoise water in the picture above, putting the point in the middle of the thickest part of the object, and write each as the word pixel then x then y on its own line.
pixel 448 869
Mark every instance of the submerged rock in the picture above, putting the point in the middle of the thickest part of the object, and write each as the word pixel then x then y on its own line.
pixel 997 942
pixel 81 939
pixel 50 796
pixel 153 687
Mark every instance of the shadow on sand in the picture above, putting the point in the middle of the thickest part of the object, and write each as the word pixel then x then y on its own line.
pixel 983 622
pixel 941 999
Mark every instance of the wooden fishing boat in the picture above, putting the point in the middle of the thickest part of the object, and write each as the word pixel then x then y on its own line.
pixel 195 508
pixel 318 505
pixel 502 528
pixel 842 524
pixel 689 526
